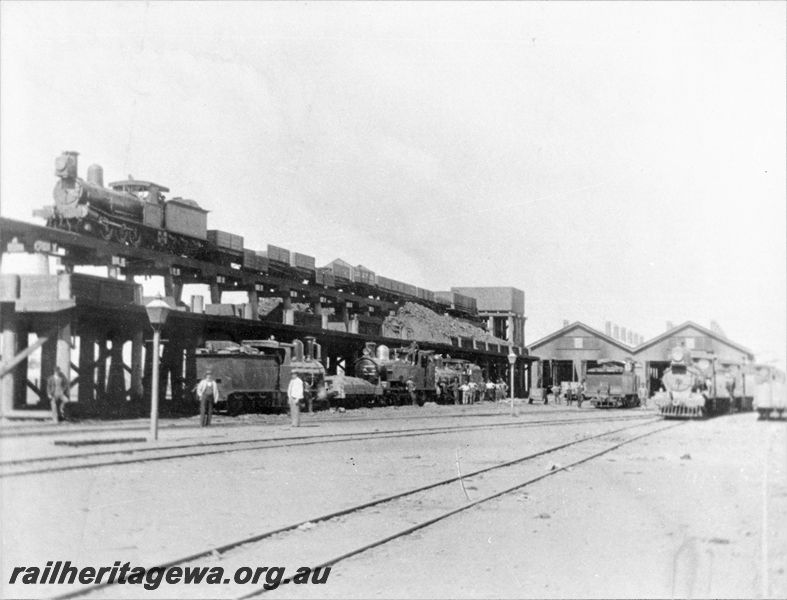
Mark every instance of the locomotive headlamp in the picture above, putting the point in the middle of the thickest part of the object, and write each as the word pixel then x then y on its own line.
pixel 677 354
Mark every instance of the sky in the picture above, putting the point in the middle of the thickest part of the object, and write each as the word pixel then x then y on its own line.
pixel 618 161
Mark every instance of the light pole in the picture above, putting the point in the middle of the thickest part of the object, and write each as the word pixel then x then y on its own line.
pixel 512 362
pixel 158 311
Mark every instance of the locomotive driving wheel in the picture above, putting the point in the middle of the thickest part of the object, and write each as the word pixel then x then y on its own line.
pixel 135 237
pixel 234 405
pixel 106 231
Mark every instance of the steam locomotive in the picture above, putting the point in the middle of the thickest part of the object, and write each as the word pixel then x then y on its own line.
pixel 406 377
pixel 136 213
pixel 129 212
pixel 253 376
pixel 410 375
pixel 698 385
pixel 613 384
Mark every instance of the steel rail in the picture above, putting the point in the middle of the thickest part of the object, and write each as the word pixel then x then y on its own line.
pixel 259 444
pixel 37 430
pixel 407 531
pixel 216 551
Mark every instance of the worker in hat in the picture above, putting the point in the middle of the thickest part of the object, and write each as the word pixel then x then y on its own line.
pixel 208 394
pixel 294 397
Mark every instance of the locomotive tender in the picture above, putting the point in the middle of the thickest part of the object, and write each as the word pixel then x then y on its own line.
pixel 613 384
pixel 253 376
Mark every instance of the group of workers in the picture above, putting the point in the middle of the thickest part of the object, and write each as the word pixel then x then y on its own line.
pixel 471 392
pixel 206 392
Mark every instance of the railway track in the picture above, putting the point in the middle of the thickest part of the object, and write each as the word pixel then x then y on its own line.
pixel 48 430
pixel 140 454
pixel 327 539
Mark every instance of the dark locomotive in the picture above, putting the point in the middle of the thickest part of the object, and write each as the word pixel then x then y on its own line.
pixel 130 212
pixel 253 375
pixel 404 376
pixel 612 384
pixel 137 213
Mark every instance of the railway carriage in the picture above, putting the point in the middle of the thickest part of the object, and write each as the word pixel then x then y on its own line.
pixel 770 392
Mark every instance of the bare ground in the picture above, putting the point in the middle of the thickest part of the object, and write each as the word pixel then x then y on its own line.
pixel 698 511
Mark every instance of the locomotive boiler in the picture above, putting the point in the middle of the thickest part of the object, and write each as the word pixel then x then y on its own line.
pixel 695 386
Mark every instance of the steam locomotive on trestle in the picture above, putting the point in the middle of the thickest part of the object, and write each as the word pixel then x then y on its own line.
pixel 136 213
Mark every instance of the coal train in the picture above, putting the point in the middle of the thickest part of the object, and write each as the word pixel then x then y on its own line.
pixel 136 213
pixel 697 385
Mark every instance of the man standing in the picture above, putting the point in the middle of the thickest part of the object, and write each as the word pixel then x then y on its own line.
pixel 57 390
pixel 410 387
pixel 208 393
pixel 294 396
pixel 490 390
pixel 642 392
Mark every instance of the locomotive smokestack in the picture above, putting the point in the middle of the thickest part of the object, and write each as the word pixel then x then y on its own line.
pixel 95 175
pixel 298 350
pixel 309 347
pixel 66 165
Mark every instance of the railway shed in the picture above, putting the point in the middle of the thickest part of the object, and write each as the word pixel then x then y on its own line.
pixel 567 353
pixel 653 355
